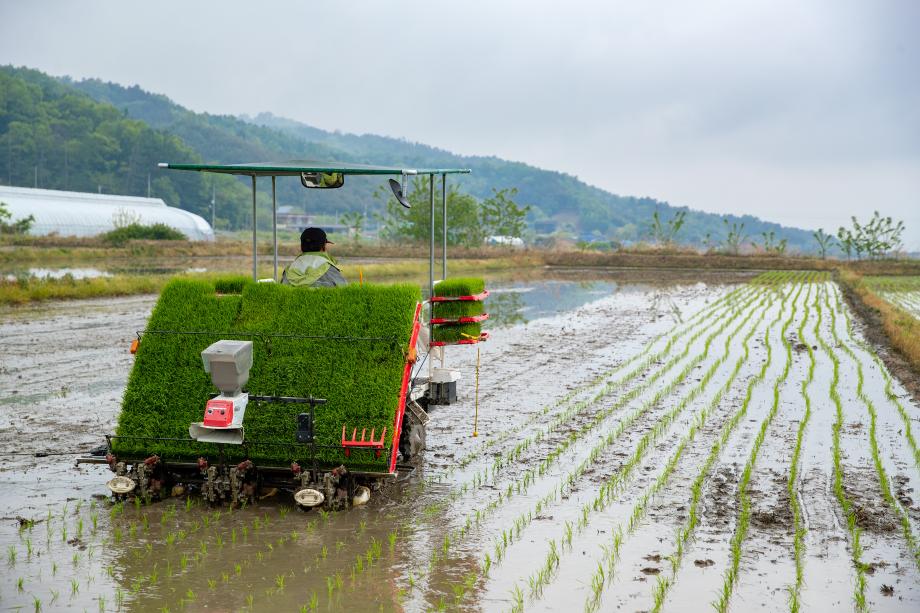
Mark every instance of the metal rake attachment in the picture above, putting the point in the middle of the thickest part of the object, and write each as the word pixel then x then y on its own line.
pixel 364 443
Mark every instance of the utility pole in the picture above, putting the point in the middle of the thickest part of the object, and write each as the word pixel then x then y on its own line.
pixel 148 184
pixel 213 205
pixel 36 177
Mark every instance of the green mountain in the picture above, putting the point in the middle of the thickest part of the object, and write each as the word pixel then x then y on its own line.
pixel 119 133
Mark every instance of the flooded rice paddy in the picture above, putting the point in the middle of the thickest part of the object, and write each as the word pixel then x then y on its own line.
pixel 907 300
pixel 646 441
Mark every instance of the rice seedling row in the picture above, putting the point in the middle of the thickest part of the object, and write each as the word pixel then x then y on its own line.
pixel 685 533
pixel 611 551
pixel 907 301
pixel 882 474
pixel 889 389
pixel 846 505
pixel 494 473
pixel 798 527
pixel 508 536
pixel 712 312
pixel 744 515
pixel 523 482
pixel 164 559
pixel 902 292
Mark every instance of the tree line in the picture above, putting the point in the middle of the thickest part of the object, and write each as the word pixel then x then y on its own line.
pixel 52 137
pixel 879 237
pixel 470 220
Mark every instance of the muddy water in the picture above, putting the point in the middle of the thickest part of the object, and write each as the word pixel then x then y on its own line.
pixel 421 544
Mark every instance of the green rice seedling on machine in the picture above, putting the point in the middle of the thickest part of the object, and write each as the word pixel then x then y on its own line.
pixel 242 384
pixel 457 314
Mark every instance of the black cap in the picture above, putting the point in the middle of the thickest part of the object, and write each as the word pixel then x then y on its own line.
pixel 313 239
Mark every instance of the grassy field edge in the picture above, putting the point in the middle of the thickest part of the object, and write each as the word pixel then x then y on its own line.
pixel 900 328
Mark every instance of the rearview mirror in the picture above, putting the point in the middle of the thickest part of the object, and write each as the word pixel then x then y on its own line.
pixel 399 193
pixel 322 180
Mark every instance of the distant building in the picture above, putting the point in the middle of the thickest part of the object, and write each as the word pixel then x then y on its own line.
pixel 291 217
pixel 88 214
pixel 510 241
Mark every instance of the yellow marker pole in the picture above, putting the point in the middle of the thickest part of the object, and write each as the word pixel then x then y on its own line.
pixel 476 417
pixel 360 276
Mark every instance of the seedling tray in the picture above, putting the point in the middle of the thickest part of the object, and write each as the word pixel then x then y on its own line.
pixel 461 320
pixel 466 341
pixel 479 297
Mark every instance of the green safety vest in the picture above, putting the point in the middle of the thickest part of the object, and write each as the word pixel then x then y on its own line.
pixel 307 268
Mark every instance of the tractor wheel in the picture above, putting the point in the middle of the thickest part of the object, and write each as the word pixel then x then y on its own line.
pixel 412 440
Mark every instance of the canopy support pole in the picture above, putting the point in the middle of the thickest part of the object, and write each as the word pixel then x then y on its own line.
pixel 255 253
pixel 275 228
pixel 444 220
pixel 431 245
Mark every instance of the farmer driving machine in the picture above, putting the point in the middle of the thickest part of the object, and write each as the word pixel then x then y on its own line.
pixel 244 385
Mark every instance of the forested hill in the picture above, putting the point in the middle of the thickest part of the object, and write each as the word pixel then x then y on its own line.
pixel 117 152
pixel 52 136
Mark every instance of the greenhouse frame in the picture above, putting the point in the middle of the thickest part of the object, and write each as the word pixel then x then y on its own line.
pixel 87 214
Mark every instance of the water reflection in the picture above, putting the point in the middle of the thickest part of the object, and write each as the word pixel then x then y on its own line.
pixel 663 303
pixel 505 309
pixel 510 305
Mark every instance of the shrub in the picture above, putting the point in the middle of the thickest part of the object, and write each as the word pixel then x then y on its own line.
pixel 136 231
pixel 359 377
pixel 8 226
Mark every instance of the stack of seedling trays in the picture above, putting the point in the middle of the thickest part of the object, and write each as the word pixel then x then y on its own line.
pixel 457 312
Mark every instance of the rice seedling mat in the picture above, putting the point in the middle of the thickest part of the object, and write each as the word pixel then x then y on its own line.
pixel 348 345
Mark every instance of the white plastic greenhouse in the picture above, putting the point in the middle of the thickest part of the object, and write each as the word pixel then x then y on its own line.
pixel 87 214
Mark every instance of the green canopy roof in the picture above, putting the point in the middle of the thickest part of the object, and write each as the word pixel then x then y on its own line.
pixel 295 167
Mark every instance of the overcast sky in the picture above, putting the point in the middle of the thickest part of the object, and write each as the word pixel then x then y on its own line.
pixel 799 112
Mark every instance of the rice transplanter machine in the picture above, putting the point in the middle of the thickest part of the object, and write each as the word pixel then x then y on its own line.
pixel 230 473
